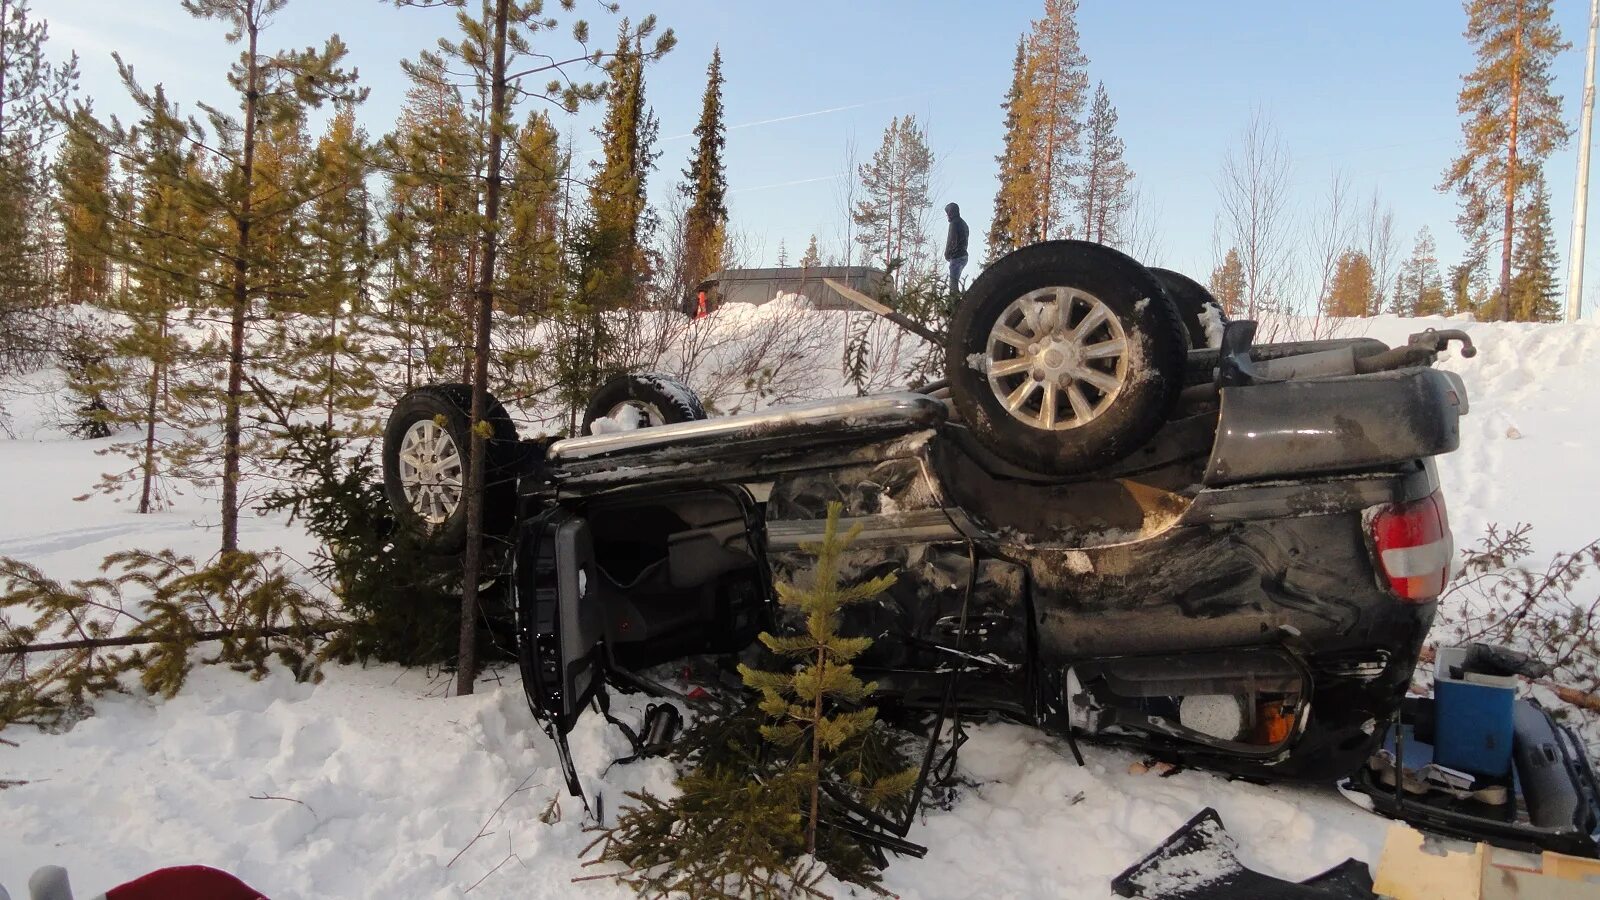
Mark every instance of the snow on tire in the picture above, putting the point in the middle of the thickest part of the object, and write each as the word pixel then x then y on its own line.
pixel 628 401
pixel 1202 315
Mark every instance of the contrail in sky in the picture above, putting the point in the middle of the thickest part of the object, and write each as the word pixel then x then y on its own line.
pixel 779 184
pixel 591 151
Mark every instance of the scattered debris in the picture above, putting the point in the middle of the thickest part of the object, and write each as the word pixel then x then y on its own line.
pixel 1198 862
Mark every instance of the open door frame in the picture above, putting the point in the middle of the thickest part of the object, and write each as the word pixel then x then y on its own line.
pixel 560 636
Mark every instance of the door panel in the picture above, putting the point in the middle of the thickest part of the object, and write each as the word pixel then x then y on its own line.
pixel 560 625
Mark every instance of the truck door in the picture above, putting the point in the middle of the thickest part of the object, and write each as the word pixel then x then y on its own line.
pixel 560 627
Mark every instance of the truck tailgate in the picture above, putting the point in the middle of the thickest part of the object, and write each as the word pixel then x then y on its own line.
pixel 1324 426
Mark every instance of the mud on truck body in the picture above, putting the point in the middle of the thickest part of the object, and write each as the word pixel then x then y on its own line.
pixel 1118 519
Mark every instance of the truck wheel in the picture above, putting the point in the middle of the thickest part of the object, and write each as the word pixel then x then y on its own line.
pixel 625 402
pixel 1196 307
pixel 1065 356
pixel 425 449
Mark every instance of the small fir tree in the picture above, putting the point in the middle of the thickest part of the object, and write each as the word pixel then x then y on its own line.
pixel 1350 294
pixel 812 257
pixel 1419 291
pixel 1227 283
pixel 737 827
pixel 818 705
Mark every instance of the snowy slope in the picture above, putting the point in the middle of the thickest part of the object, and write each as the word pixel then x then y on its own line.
pixel 373 782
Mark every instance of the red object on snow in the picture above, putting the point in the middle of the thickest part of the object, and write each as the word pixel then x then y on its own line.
pixel 185 883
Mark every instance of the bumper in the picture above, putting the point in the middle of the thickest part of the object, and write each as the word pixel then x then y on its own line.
pixel 1325 426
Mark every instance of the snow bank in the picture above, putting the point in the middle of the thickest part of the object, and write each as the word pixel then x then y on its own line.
pixel 1527 450
pixel 372 783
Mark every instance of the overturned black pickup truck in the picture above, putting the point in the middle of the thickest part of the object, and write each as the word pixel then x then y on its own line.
pixel 1117 518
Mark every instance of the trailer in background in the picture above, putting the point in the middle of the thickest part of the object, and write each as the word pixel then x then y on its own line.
pixel 758 286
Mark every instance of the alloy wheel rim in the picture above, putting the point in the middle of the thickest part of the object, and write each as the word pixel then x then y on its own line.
pixel 431 471
pixel 1057 358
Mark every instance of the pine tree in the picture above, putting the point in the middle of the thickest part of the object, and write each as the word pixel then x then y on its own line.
pixel 256 253
pixel 1055 88
pixel 818 706
pixel 609 253
pixel 429 246
pixel 531 279
pixel 1228 283
pixel 159 237
pixel 33 93
pixel 1419 291
pixel 1015 222
pixel 1101 193
pixel 892 216
pixel 339 247
pixel 706 185
pixel 1511 122
pixel 1535 284
pixel 1352 290
pixel 783 255
pixel 531 268
pixel 811 257
pixel 83 167
pixel 618 264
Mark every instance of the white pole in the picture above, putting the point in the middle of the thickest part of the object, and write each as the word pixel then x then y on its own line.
pixel 1580 203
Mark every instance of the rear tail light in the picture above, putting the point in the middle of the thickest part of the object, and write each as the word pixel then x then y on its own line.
pixel 1414 547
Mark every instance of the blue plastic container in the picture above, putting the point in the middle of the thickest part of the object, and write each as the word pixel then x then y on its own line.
pixel 1473 718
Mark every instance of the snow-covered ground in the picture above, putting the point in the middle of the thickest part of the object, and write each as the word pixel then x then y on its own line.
pixel 376 784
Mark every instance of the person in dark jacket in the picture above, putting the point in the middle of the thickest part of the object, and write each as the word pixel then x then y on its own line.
pixel 955 245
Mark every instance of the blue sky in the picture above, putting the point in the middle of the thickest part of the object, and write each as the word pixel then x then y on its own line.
pixel 1364 86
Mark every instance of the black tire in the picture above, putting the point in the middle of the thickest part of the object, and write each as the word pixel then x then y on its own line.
pixel 1195 305
pixel 450 407
pixel 662 399
pixel 1147 373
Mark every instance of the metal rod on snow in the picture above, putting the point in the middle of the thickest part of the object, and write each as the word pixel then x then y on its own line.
pixel 873 306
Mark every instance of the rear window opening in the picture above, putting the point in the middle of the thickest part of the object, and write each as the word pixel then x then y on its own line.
pixel 675 574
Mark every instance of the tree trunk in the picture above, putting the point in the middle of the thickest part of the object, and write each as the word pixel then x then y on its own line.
pixel 473 563
pixel 816 755
pixel 1504 312
pixel 5 64
pixel 133 641
pixel 149 467
pixel 1089 197
pixel 333 363
pixel 241 298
